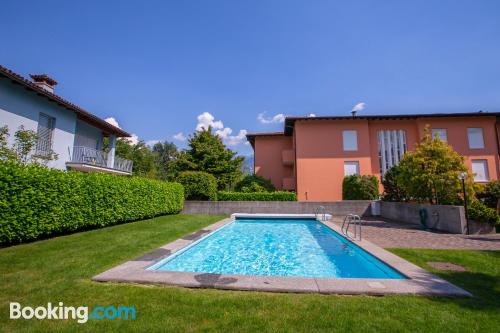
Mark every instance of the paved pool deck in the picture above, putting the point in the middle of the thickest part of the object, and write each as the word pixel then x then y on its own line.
pixel 393 234
pixel 419 281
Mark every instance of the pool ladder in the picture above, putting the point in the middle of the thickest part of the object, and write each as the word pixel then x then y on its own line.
pixel 356 221
pixel 320 213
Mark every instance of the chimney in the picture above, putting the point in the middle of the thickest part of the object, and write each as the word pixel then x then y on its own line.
pixel 354 113
pixel 44 82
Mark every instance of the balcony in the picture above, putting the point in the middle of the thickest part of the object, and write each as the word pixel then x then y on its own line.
pixel 288 157
pixel 91 160
pixel 288 184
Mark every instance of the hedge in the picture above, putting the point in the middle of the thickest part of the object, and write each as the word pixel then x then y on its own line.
pixel 254 183
pixel 480 212
pixel 356 187
pixel 198 185
pixel 257 196
pixel 38 202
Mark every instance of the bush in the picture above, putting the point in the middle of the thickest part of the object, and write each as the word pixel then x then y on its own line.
pixel 392 191
pixel 37 202
pixel 254 183
pixel 198 185
pixel 358 187
pixel 477 211
pixel 257 196
pixel 490 194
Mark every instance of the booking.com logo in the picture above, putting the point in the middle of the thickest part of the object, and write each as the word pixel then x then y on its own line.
pixel 81 314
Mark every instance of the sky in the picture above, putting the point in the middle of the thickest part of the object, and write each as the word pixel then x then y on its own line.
pixel 162 69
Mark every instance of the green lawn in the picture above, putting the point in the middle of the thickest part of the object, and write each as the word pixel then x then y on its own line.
pixel 60 269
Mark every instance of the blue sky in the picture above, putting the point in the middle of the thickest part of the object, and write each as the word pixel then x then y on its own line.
pixel 157 66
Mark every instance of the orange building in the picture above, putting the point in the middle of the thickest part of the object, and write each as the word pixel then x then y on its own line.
pixel 313 154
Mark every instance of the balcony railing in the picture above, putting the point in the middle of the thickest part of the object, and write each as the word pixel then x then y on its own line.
pixel 99 158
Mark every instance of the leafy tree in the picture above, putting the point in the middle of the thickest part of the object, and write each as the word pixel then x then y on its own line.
pixel 143 157
pixel 254 183
pixel 431 172
pixel 198 185
pixel 490 195
pixel 208 153
pixel 392 190
pixel 166 153
pixel 23 150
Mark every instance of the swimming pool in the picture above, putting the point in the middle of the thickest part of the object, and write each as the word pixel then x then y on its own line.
pixel 277 247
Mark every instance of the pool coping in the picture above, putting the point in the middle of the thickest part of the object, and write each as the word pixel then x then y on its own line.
pixel 419 282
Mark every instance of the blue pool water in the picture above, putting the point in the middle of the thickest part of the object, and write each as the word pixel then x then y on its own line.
pixel 277 247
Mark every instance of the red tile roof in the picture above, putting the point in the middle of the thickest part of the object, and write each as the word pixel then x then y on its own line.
pixel 82 114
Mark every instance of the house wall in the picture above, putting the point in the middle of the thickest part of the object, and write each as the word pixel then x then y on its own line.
pixel 320 157
pixel 269 158
pixel 87 135
pixel 19 106
pixel 318 145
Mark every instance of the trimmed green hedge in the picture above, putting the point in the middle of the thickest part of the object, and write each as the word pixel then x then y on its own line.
pixel 257 196
pixel 198 185
pixel 356 187
pixel 37 202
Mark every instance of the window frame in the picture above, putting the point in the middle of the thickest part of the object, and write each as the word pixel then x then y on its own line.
pixel 469 137
pixel 352 163
pixel 353 146
pixel 440 130
pixel 486 170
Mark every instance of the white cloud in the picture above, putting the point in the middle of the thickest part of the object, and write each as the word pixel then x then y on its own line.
pixel 359 107
pixel 312 115
pixel 180 137
pixel 206 119
pixel 279 118
pixel 133 140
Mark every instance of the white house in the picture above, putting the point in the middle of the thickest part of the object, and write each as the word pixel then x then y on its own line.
pixel 74 134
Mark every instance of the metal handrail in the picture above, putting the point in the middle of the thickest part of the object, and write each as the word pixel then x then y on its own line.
pixel 320 210
pixel 82 154
pixel 356 220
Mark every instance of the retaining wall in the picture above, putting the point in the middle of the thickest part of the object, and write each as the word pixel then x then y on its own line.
pixel 336 208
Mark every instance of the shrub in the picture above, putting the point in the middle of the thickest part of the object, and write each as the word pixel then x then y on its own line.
pixel 356 187
pixel 392 191
pixel 430 173
pixel 257 196
pixel 477 211
pixel 38 202
pixel 254 183
pixel 198 185
pixel 490 194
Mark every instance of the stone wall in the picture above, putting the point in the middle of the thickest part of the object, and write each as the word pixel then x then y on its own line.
pixel 444 218
pixel 337 208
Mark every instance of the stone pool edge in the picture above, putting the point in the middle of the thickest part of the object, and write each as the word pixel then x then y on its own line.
pixel 419 282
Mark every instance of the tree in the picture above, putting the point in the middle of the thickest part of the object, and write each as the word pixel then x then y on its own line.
pixel 166 154
pixel 208 153
pixel 24 148
pixel 392 190
pixel 143 157
pixel 431 172
pixel 254 183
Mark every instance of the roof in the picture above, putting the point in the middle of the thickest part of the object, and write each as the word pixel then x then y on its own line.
pixel 290 121
pixel 82 114
pixel 251 136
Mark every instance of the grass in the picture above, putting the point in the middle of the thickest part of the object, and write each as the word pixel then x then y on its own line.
pixel 60 269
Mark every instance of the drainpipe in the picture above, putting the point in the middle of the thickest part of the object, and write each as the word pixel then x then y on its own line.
pixel 111 153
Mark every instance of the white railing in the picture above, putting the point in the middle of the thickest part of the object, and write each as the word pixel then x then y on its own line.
pixel 99 158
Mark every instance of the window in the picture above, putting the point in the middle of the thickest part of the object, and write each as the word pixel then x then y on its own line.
pixel 350 139
pixel 480 170
pixel 391 148
pixel 440 133
pixel 351 168
pixel 475 136
pixel 44 131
